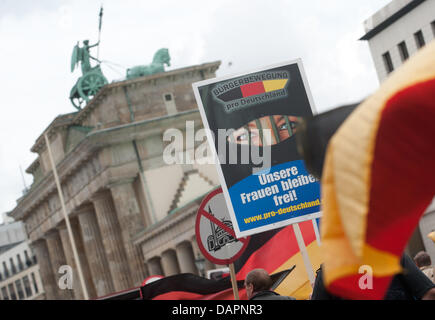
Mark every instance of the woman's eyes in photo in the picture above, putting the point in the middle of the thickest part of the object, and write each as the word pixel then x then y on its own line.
pixel 242 136
pixel 283 126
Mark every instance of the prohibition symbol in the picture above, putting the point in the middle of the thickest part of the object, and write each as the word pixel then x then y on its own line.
pixel 214 231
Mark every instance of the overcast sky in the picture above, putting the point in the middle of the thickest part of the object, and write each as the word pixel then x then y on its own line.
pixel 37 38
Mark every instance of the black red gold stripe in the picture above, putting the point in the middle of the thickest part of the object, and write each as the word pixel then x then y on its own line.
pixel 252 89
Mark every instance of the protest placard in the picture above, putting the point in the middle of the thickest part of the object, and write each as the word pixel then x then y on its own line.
pixel 251 120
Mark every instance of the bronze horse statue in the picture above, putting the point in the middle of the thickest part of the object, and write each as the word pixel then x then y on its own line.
pixel 161 57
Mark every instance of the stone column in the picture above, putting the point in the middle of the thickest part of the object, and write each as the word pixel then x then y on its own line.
pixel 67 248
pixel 170 263
pixel 131 222
pixel 186 258
pixel 57 258
pixel 154 267
pixel 94 250
pixel 112 241
pixel 69 254
pixel 45 269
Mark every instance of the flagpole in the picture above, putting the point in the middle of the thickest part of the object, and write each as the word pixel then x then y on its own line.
pixel 234 281
pixel 99 31
pixel 68 225
pixel 303 250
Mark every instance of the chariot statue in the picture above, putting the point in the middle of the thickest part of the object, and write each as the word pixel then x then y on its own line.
pixel 92 79
pixel 161 58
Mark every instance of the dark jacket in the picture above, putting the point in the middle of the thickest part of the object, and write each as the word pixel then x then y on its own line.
pixel 269 295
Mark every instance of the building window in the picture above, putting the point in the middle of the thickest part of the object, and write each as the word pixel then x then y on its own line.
pixel 26 257
pixel 35 285
pixel 168 97
pixel 20 263
pixel 19 289
pixel 13 269
pixel 388 62
pixel 6 271
pixel 169 103
pixel 27 287
pixel 419 39
pixel 5 293
pixel 12 291
pixel 403 50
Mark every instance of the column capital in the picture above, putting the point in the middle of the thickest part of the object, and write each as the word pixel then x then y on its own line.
pixel 86 208
pixel 52 233
pixel 100 195
pixel 61 226
pixel 121 182
pixel 36 243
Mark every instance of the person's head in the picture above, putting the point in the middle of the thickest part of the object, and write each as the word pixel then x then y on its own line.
pixel 86 42
pixel 422 259
pixel 257 280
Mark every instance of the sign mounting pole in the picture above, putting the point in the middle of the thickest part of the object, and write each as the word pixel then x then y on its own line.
pixel 303 250
pixel 316 231
pixel 234 281
pixel 233 276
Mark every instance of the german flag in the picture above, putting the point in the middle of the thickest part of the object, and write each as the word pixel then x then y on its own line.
pixel 187 286
pixel 278 250
pixel 378 179
pixel 252 89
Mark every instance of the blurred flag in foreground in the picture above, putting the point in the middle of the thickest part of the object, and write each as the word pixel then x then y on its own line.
pixel 378 178
pixel 187 286
pixel 277 250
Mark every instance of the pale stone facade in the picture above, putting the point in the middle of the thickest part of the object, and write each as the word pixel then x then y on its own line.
pixel 132 215
pixel 19 269
pixel 395 32
pixel 20 278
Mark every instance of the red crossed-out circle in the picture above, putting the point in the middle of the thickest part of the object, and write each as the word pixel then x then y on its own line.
pixel 205 214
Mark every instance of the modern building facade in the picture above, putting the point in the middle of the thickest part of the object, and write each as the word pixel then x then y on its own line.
pixel 19 271
pixel 395 33
pixel 131 212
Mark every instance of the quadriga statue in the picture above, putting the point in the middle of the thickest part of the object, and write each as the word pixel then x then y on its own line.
pixel 161 57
